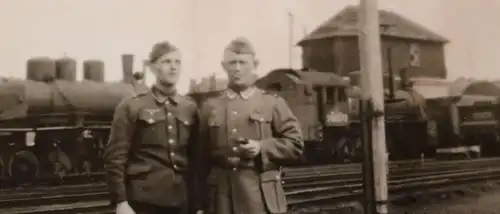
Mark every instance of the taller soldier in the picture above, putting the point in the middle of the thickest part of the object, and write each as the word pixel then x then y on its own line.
pixel 249 135
pixel 151 142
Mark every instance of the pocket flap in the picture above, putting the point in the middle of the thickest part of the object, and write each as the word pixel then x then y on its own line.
pixel 272 175
pixel 214 121
pixel 151 116
pixel 135 169
pixel 259 117
pixel 185 119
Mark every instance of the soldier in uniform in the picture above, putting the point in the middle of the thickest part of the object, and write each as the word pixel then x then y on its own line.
pixel 249 135
pixel 151 141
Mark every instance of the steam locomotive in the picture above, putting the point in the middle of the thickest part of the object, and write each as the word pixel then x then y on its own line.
pixel 52 125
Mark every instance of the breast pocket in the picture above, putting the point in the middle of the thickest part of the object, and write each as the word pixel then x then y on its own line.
pixel 215 130
pixel 261 123
pixel 185 126
pixel 150 125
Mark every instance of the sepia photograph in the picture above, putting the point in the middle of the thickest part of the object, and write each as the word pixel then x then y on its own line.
pixel 249 107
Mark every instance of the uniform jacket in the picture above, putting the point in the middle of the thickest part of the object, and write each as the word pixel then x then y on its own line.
pixel 150 145
pixel 235 184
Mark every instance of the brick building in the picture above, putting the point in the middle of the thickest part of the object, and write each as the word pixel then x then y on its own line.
pixel 333 46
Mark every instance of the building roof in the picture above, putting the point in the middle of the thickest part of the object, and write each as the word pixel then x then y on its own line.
pixel 207 85
pixel 312 77
pixel 345 24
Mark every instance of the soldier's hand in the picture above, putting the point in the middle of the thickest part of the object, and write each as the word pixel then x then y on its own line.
pixel 251 149
pixel 124 208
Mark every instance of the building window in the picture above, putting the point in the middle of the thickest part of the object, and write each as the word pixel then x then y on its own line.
pixel 330 95
pixel 342 95
pixel 414 50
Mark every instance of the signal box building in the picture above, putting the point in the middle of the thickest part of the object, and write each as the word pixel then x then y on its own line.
pixel 333 46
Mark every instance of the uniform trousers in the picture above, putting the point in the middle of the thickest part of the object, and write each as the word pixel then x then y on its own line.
pixel 145 208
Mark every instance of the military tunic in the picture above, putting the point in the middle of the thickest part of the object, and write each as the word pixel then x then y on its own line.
pixel 236 184
pixel 150 146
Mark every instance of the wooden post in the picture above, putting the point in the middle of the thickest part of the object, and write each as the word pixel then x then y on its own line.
pixel 373 108
pixel 290 38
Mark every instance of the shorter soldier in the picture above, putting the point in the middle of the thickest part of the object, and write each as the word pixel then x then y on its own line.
pixel 151 141
pixel 249 135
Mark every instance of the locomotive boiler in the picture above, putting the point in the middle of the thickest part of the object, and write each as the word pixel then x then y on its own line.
pixel 53 125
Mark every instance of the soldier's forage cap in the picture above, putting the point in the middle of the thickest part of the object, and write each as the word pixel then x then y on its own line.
pixel 159 49
pixel 240 45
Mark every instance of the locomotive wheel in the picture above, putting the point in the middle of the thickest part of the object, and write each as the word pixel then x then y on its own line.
pixel 23 166
pixel 60 162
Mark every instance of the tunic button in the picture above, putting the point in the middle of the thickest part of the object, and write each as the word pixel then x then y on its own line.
pixel 170 127
pixel 234 169
pixel 172 154
pixel 235 113
pixel 169 114
pixel 234 130
pixel 175 166
pixel 171 141
pixel 167 102
pixel 235 148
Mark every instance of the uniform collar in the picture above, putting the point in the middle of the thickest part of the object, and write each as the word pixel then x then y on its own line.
pixel 245 94
pixel 161 98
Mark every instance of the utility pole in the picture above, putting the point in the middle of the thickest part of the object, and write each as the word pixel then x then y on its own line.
pixel 290 34
pixel 375 167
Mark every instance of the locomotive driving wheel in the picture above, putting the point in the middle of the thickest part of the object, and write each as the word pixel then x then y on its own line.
pixel 23 166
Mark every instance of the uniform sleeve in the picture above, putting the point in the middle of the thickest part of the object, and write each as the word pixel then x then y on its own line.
pixel 287 144
pixel 116 154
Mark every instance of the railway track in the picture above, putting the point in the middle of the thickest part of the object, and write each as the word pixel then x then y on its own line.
pixel 329 183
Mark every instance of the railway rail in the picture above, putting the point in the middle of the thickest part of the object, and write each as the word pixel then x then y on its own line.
pixel 329 183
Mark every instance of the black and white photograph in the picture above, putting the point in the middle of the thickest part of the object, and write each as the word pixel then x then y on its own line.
pixel 249 107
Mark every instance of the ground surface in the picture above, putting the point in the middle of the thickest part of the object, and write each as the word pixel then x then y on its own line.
pixel 486 203
pixel 477 199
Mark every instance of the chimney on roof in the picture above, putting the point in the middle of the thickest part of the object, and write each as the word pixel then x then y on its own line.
pixel 128 68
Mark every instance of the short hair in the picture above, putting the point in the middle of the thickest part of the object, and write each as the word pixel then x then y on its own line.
pixel 240 45
pixel 159 49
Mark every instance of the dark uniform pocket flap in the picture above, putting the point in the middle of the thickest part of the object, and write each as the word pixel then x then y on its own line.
pixel 270 176
pixel 185 119
pixel 259 117
pixel 135 169
pixel 214 121
pixel 274 194
pixel 151 116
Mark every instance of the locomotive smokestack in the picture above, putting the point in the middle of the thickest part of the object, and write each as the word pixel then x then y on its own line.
pixel 128 67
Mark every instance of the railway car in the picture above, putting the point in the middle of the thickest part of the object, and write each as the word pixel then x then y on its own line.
pixel 52 125
pixel 474 117
pixel 327 107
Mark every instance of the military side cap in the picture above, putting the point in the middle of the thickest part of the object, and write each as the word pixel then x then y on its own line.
pixel 240 45
pixel 161 48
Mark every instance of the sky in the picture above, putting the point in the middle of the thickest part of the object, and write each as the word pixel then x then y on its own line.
pixel 96 29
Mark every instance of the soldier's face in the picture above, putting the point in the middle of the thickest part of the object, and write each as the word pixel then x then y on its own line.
pixel 167 68
pixel 240 68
